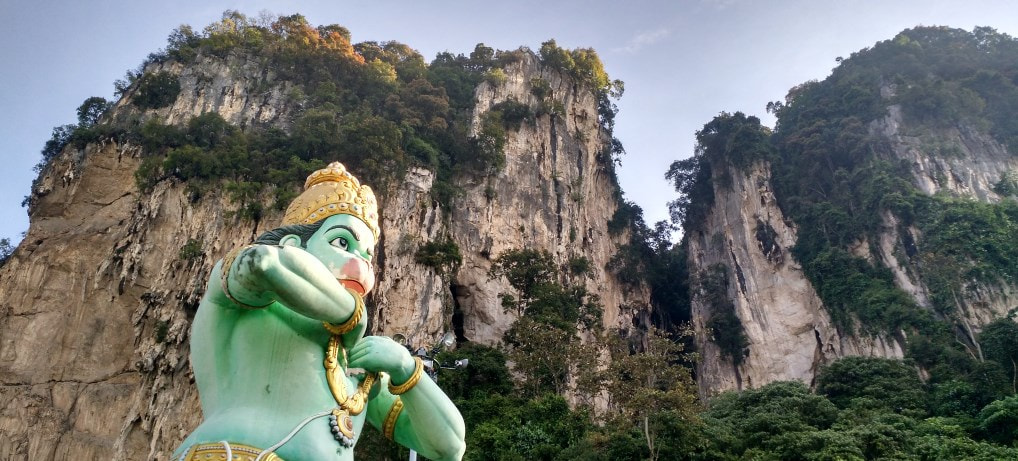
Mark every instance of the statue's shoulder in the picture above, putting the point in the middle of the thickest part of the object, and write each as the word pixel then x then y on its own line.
pixel 214 288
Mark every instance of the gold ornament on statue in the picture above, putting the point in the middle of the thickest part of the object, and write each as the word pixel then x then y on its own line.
pixel 353 321
pixel 331 191
pixel 389 426
pixel 340 420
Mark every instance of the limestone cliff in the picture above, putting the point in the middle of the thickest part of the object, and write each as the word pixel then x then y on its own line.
pixel 973 164
pixel 897 165
pixel 96 303
pixel 790 334
pixel 553 190
pixel 789 331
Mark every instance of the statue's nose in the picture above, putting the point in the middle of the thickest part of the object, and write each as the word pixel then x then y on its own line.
pixel 358 270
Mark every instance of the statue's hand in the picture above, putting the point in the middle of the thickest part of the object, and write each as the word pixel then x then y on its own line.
pixel 381 353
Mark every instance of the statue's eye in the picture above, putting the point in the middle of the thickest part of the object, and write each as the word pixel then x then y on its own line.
pixel 340 242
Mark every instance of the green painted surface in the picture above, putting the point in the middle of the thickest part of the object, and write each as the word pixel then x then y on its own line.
pixel 259 371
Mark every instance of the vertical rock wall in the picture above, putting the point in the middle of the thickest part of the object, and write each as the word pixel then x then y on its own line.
pixel 96 303
pixel 958 161
pixel 790 334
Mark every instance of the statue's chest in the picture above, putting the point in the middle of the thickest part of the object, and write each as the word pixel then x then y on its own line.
pixel 277 352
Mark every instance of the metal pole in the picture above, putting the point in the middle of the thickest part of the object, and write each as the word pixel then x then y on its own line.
pixel 431 366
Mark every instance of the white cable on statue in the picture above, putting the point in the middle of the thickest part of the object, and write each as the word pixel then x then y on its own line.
pixel 293 433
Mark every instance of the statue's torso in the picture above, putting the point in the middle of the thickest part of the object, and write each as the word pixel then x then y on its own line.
pixel 260 374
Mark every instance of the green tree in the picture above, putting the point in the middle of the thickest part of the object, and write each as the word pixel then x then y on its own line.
pixel 6 250
pixel 55 145
pixel 156 90
pixel 191 250
pixel 91 110
pixel 765 422
pixel 998 422
pixel 543 355
pixel 442 255
pixel 543 343
pixel 999 340
pixel 828 445
pixel 652 392
pixel 486 374
pixel 181 44
pixel 868 381
pixel 710 286
pixel 525 270
pixel 209 130
pixel 482 56
pixel 518 429
pixel 727 141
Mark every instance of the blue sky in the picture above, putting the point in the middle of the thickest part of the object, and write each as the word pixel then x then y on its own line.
pixel 683 61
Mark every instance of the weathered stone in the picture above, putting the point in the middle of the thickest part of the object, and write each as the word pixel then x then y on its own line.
pixel 790 334
pixel 973 164
pixel 96 302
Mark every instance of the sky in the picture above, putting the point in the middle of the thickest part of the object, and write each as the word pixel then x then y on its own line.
pixel 683 61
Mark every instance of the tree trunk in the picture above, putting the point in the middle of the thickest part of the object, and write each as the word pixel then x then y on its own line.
pixel 650 440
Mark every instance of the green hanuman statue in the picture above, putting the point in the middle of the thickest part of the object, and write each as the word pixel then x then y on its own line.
pixel 283 368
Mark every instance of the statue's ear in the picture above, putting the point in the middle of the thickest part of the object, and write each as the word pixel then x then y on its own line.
pixel 290 241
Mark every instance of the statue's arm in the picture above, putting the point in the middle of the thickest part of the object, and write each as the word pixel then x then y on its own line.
pixel 263 274
pixel 429 422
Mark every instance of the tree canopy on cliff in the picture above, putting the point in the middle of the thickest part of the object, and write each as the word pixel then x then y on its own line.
pixel 379 107
pixel 838 181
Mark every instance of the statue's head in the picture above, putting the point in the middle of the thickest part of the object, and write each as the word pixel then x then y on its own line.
pixel 343 215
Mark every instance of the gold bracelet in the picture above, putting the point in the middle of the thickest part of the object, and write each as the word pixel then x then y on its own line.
pixel 355 318
pixel 410 383
pixel 389 427
pixel 224 276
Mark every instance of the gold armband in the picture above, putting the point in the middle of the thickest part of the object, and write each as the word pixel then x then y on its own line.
pixel 389 427
pixel 355 318
pixel 410 383
pixel 224 276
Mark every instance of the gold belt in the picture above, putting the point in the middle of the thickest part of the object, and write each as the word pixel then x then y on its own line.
pixel 217 452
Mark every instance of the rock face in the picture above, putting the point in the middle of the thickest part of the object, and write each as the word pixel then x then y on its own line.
pixel 553 190
pixel 96 303
pixel 962 162
pixel 789 332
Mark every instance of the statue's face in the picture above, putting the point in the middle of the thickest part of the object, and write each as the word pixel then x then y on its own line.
pixel 346 246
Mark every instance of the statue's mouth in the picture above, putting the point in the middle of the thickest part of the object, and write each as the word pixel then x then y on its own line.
pixel 354 285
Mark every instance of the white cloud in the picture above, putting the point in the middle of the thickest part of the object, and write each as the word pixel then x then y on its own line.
pixel 642 40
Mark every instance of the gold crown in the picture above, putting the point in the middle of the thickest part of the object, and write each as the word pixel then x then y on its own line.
pixel 331 191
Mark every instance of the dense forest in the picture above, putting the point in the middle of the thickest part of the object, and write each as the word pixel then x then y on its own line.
pixel 381 108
